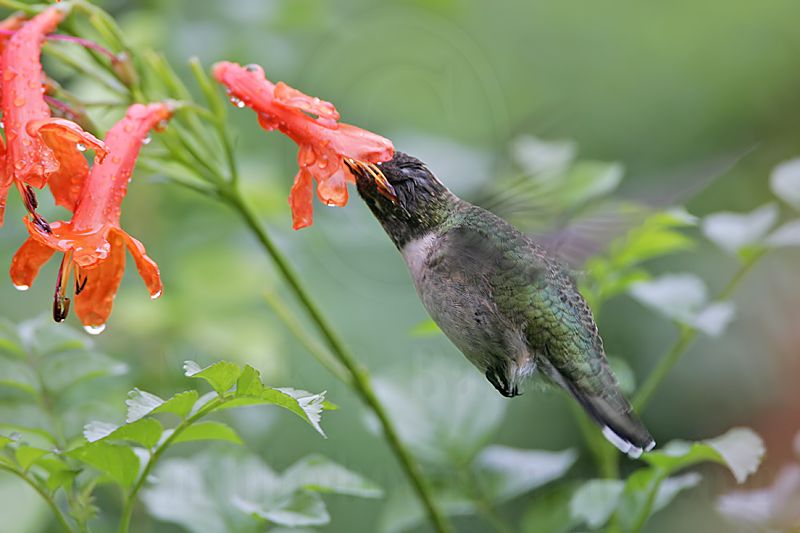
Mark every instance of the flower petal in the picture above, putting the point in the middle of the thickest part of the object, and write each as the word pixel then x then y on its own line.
pixel 290 97
pixel 29 160
pixel 27 261
pixel 67 141
pixel 94 303
pixel 333 189
pixel 147 268
pixel 301 200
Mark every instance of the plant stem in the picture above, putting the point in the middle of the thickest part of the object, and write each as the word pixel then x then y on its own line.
pixel 360 379
pixel 484 503
pixel 130 499
pixel 62 520
pixel 685 339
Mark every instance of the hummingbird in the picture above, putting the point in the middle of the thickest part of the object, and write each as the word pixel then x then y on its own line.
pixel 502 298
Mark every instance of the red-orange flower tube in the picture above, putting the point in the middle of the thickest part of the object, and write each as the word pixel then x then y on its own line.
pixel 29 161
pixel 323 141
pixel 93 243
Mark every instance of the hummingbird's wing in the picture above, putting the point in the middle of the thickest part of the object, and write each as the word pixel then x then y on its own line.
pixel 536 292
pixel 575 227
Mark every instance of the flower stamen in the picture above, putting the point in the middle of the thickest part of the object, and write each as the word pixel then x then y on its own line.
pixel 60 299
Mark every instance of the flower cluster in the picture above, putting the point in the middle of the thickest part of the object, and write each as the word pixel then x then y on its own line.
pixel 312 124
pixel 44 150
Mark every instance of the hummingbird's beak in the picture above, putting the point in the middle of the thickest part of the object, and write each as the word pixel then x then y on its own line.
pixel 381 183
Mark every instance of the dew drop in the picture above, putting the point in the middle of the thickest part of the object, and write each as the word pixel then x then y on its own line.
pixel 22 287
pixel 95 330
pixel 330 203
pixel 81 147
pixel 156 296
pixel 252 67
pixel 147 140
pixel 238 102
pixel 2 125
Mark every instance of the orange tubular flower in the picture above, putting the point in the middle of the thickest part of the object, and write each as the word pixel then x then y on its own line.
pixel 29 160
pixel 93 243
pixel 323 142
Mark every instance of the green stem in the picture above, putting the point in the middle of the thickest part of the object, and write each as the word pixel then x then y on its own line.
pixel 484 503
pixel 130 500
pixel 62 520
pixel 685 339
pixel 360 379
pixel 647 509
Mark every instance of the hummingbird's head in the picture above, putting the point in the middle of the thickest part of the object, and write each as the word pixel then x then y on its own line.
pixel 405 197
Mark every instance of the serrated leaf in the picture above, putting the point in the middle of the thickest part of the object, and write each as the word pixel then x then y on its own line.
pixel 28 455
pixel 61 478
pixel 594 502
pixel 221 375
pixel 785 236
pixel 119 463
pixel 302 403
pixel 320 474
pixel 180 404
pixel 302 509
pixel 740 449
pixel 733 232
pixel 208 431
pixel 508 472
pixel 249 382
pixel 772 508
pixel 140 404
pixel 785 182
pixel 144 431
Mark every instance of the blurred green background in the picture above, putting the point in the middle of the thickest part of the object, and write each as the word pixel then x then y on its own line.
pixel 660 87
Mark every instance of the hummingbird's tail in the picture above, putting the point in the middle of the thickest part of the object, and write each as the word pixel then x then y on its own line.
pixel 621 426
pixel 610 410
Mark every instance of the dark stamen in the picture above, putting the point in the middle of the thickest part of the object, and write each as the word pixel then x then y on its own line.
pixel 80 284
pixel 60 300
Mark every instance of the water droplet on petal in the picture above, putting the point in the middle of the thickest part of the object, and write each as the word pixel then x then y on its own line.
pixel 22 287
pixel 238 102
pixel 2 125
pixel 147 140
pixel 156 295
pixel 81 147
pixel 252 67
pixel 330 203
pixel 95 330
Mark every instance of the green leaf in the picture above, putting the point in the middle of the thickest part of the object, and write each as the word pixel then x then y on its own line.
pixel 319 474
pixel 249 382
pixel 785 182
pixel 180 404
pixel 586 180
pixel 440 427
pixel 624 373
pixel 734 232
pixel 65 369
pixel 509 472
pixel 17 375
pixel 536 156
pixel 637 491
pixel 141 404
pixel 144 431
pixel 594 502
pixel 61 478
pixel 221 375
pixel 403 510
pixel 119 463
pixel 771 508
pixel 28 455
pixel 672 486
pixel 740 449
pixel 550 511
pixel 208 431
pixel 4 441
pixel 302 509
pixel 302 403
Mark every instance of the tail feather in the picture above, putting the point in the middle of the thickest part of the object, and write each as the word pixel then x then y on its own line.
pixel 611 411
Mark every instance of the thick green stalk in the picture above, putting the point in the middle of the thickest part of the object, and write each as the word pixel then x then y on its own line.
pixel 360 379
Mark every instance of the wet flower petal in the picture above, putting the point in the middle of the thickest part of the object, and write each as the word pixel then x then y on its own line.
pixel 148 269
pixel 27 261
pixel 65 139
pixel 94 303
pixel 322 142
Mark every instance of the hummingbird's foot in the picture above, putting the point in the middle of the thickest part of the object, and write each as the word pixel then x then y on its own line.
pixel 497 377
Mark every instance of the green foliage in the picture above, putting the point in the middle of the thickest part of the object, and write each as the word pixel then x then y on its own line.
pixel 124 454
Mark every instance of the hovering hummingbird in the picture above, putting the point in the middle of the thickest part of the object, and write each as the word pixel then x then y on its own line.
pixel 500 296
